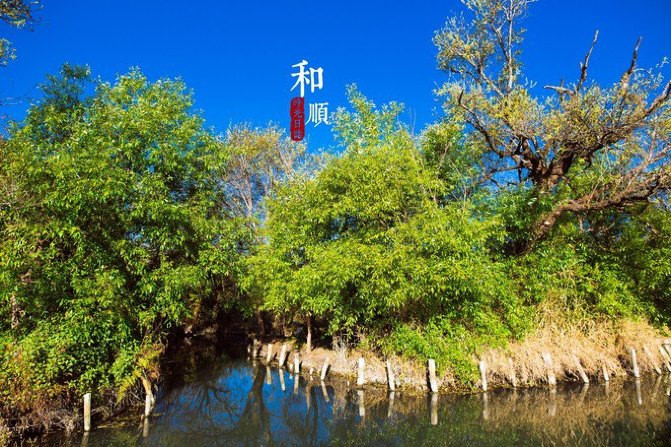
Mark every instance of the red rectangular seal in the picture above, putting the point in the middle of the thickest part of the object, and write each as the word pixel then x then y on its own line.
pixel 297 113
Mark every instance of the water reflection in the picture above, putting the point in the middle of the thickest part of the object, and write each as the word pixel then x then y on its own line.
pixel 246 404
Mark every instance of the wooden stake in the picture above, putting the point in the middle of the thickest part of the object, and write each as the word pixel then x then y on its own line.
pixel 390 408
pixel 87 412
pixel 281 374
pixel 665 358
pixel 580 369
pixel 634 363
pixel 433 383
pixel 297 363
pixel 283 355
pixel 552 379
pixel 325 369
pixel 604 370
pixel 513 376
pixel 434 409
pixel 483 374
pixel 391 380
pixel 269 354
pixel 361 375
pixel 362 404
pixel 647 352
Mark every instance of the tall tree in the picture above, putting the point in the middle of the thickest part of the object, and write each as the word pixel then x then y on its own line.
pixel 588 148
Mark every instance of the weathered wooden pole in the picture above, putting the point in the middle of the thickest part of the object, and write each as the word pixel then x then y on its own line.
pixel 297 379
pixel 269 376
pixel 513 376
pixel 269 354
pixel 485 406
pixel 391 380
pixel 665 358
pixel 361 373
pixel 634 363
pixel 325 392
pixel 433 383
pixel 581 370
pixel 552 410
pixel 325 369
pixel 87 412
pixel 604 371
pixel 362 403
pixel 483 374
pixel 652 360
pixel 283 355
pixel 639 397
pixel 390 408
pixel 297 363
pixel 434 408
pixel 547 359
pixel 282 384
pixel 308 344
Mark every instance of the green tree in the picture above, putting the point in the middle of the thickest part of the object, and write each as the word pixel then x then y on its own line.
pixel 112 237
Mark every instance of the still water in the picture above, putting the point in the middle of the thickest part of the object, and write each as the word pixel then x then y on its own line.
pixel 221 399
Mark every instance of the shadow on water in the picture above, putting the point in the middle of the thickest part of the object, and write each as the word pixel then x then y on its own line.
pixel 221 400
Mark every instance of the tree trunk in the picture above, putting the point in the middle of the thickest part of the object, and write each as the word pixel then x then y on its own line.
pixel 259 321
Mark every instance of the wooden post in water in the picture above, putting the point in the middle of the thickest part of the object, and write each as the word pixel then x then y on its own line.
pixel 547 359
pixel 325 369
pixel 513 376
pixel 269 354
pixel 325 392
pixel 269 376
pixel 281 374
pixel 434 409
pixel 390 408
pixel 483 374
pixel 485 406
pixel 433 383
pixel 581 370
pixel 667 347
pixel 391 380
pixel 604 371
pixel 639 397
pixel 87 412
pixel 362 403
pixel 283 355
pixel 361 374
pixel 297 363
pixel 648 354
pixel 665 358
pixel 634 363
pixel 552 410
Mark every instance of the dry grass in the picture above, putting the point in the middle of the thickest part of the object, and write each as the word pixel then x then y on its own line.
pixel 595 343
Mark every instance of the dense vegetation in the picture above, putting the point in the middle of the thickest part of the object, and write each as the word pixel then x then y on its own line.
pixel 124 220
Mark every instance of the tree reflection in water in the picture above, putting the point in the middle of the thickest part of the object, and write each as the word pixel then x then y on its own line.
pixel 232 404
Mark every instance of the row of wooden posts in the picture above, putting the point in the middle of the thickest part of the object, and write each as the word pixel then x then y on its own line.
pixel 432 382
pixel 255 349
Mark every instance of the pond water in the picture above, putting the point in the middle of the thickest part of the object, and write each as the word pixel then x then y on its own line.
pixel 221 399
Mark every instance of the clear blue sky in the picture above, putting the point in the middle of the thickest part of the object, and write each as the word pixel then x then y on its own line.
pixel 237 56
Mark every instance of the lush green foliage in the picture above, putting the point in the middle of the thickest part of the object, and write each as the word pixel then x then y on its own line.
pixel 111 231
pixel 123 220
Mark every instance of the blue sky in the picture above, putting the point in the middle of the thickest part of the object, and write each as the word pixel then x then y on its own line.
pixel 237 56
